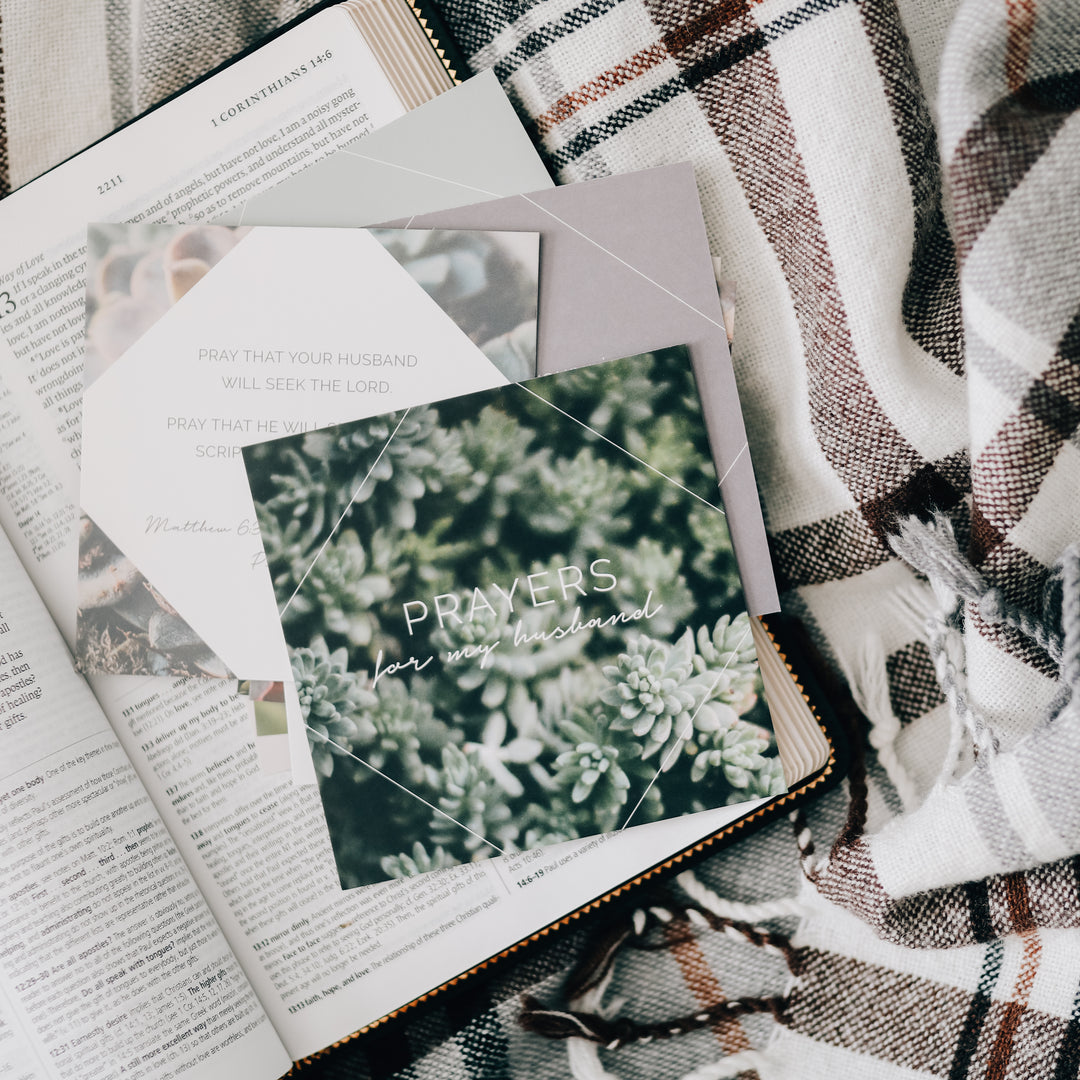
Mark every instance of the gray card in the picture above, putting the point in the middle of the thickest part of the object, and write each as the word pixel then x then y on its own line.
pixel 625 268
pixel 463 146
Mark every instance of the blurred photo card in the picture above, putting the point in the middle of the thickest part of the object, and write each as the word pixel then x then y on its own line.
pixel 514 617
pixel 201 339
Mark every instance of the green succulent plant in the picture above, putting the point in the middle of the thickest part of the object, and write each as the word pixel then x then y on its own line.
pixel 591 770
pixel 393 460
pixel 498 671
pixel 400 725
pixel 727 659
pixel 418 861
pixel 714 558
pixel 344 585
pixel 649 569
pixel 740 750
pixel 503 470
pixel 473 810
pixel 764 782
pixel 581 498
pixel 497 753
pixel 654 692
pixel 333 703
pixel 668 447
pixel 302 494
pixel 607 401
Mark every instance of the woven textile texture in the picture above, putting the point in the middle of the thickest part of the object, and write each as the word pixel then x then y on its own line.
pixel 894 187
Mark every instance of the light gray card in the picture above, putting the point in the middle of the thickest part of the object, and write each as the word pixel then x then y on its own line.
pixel 463 146
pixel 625 268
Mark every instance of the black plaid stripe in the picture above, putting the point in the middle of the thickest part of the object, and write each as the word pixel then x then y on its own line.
pixel 485 1048
pixel 593 136
pixel 931 299
pixel 676 39
pixel 926 486
pixel 475 24
pixel 910 1021
pixel 997 152
pixel 1068 1065
pixel 978 900
pixel 917 1023
pixel 978 1010
pixel 845 545
pixel 545 36
pixel 969 913
pixel 830 550
pixel 1008 473
pixel 913 686
pixel 746 110
pixel 1019 575
pixel 1015 644
pixel 1021 579
pixel 387 1052
pixel 718 14
pixel 464 1032
pixel 956 469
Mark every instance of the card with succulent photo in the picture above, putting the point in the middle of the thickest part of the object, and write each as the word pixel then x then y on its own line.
pixel 514 617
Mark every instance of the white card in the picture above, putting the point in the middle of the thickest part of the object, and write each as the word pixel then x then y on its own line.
pixel 203 339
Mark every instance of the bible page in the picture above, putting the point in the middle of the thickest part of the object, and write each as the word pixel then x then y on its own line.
pixel 260 120
pixel 110 960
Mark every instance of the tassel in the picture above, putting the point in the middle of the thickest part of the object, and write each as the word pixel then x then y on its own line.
pixel 584 1060
pixel 701 894
pixel 611 1034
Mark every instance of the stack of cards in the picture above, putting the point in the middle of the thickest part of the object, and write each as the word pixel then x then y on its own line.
pixel 444 497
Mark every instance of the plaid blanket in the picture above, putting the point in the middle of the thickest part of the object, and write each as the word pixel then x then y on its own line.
pixel 895 187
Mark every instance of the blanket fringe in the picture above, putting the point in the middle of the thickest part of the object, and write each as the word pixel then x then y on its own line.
pixel 930 547
pixel 868 680
pixel 702 895
pixel 613 1034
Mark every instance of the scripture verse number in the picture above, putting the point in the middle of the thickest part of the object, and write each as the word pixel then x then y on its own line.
pixel 108 185
pixel 7 305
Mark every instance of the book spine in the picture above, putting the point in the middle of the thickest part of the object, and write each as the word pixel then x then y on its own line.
pixel 442 40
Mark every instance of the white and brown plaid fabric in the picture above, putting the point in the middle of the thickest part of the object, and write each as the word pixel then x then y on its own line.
pixel 895 187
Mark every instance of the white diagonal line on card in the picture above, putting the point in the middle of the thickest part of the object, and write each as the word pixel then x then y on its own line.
pixel 610 442
pixel 341 518
pixel 686 730
pixel 402 787
pixel 727 472
pixel 629 266
pixel 420 172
